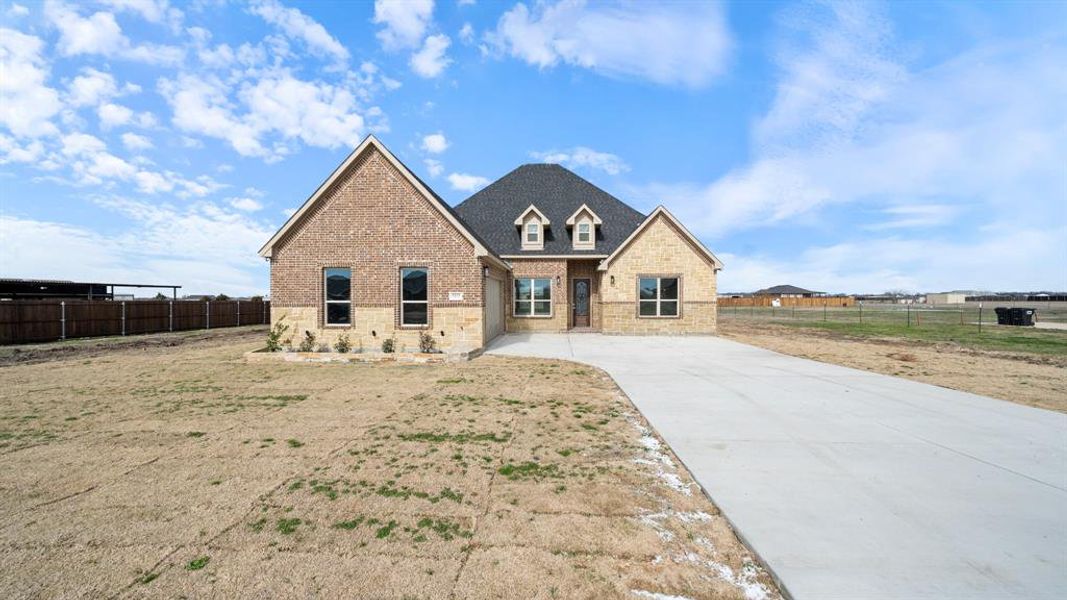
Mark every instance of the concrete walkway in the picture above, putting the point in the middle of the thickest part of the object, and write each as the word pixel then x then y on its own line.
pixel 851 484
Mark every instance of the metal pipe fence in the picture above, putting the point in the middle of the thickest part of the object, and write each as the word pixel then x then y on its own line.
pixel 909 315
pixel 29 321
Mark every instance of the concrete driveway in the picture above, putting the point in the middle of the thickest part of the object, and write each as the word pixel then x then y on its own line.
pixel 851 484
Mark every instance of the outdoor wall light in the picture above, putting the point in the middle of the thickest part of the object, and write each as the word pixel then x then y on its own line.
pixel 557 280
pixel 442 333
pixel 485 271
pixel 612 280
pixel 373 333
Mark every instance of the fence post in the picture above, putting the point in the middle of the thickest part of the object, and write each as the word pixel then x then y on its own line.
pixel 861 312
pixel 123 317
pixel 238 312
pixel 207 313
pixel 979 317
pixel 170 315
pixel 63 320
pixel 909 315
pixel 824 310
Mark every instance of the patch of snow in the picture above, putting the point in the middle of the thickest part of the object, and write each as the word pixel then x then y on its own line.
pixel 657 595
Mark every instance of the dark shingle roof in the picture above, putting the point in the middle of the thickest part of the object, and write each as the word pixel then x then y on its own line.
pixel 785 289
pixel 556 192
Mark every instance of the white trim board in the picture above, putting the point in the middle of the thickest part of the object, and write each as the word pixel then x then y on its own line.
pixel 480 251
pixel 662 211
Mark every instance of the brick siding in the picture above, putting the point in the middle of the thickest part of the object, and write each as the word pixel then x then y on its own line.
pixel 373 221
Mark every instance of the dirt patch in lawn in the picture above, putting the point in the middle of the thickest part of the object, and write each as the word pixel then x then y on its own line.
pixel 156 342
pixel 1032 379
pixel 189 473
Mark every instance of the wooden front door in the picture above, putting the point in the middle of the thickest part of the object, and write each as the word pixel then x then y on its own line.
pixel 581 302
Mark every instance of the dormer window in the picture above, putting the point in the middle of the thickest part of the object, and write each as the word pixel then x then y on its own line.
pixel 532 224
pixel 583 224
pixel 585 235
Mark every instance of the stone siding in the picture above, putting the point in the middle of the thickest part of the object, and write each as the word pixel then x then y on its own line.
pixel 661 249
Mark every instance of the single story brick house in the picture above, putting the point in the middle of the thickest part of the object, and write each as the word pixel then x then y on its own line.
pixel 375 253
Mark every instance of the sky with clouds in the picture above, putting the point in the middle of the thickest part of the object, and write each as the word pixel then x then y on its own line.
pixel 846 147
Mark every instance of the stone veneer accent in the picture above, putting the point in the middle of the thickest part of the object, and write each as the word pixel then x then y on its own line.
pixel 660 249
pixel 374 222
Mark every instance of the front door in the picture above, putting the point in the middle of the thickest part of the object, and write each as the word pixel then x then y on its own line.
pixel 581 302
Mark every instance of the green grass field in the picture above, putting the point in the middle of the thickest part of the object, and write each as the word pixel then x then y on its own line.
pixel 921 324
pixel 992 337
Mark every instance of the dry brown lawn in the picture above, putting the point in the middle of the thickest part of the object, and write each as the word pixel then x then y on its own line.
pixel 1032 379
pixel 185 472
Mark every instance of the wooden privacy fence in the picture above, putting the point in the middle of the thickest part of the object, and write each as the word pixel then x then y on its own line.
pixel 798 302
pixel 23 321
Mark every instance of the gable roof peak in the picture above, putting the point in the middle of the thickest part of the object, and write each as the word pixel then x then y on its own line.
pixel 584 208
pixel 481 250
pixel 533 209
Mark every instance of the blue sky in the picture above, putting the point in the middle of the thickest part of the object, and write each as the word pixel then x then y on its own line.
pixel 846 147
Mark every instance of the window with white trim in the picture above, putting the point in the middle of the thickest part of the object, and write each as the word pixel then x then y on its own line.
pixel 414 296
pixel 337 291
pixel 584 232
pixel 533 232
pixel 657 297
pixel 533 297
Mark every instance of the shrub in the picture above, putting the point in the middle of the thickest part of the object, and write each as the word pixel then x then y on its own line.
pixel 343 344
pixel 222 298
pixel 389 345
pixel 288 344
pixel 275 334
pixel 426 343
pixel 308 343
pixel 324 347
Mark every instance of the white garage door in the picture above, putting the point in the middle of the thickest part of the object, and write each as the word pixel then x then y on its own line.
pixel 494 309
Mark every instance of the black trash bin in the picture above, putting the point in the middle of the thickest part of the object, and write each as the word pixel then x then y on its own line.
pixel 1003 315
pixel 1023 317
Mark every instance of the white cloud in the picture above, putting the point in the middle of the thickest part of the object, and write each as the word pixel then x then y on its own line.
pixel 582 157
pixel 100 34
pixel 153 11
pixel 1023 259
pixel 319 114
pixel 430 61
pixel 910 216
pixel 982 132
pixel 245 204
pixel 90 88
pixel 201 247
pixel 434 167
pixel 686 44
pixel 405 22
pixel 18 10
pixel 435 143
pixel 13 152
pixel 76 144
pixel 113 115
pixel 87 160
pixel 136 143
pixel 27 104
pixel 467 183
pixel 466 34
pixel 299 26
pixel 316 113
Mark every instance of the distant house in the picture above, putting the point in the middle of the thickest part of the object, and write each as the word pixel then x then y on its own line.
pixel 376 254
pixel 787 291
pixel 947 298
